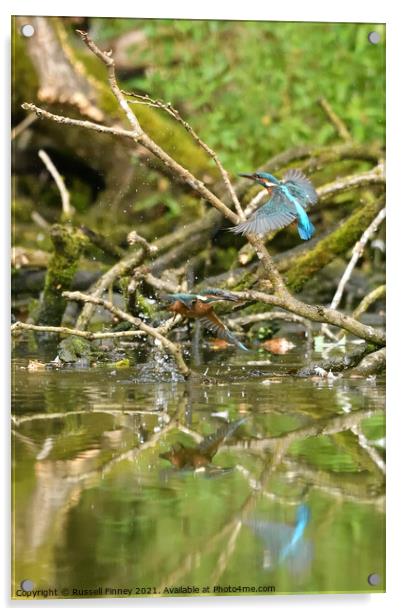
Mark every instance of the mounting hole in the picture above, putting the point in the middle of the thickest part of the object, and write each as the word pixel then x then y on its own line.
pixel 27 30
pixel 27 585
pixel 373 579
pixel 374 38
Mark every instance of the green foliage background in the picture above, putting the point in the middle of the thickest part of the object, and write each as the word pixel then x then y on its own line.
pixel 251 88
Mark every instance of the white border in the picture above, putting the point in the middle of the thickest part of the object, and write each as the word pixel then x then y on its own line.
pixel 285 10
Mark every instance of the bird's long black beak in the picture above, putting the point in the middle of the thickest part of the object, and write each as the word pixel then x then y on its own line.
pixel 250 176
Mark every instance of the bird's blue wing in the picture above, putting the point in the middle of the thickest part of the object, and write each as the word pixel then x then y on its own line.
pixel 300 187
pixel 277 213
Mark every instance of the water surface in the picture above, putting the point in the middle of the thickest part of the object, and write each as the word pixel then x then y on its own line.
pixel 96 508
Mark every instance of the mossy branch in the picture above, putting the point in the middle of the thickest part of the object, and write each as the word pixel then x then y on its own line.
pixel 337 243
pixel 68 244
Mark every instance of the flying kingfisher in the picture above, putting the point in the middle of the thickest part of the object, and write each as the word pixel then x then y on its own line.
pixel 200 306
pixel 288 201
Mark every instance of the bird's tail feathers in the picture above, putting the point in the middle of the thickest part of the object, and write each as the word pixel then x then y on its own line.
pixel 306 229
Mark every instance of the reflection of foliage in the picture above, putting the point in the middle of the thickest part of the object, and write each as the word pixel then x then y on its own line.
pixel 121 520
pixel 243 81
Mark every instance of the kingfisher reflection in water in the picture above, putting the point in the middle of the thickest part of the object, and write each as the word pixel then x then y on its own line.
pixel 285 544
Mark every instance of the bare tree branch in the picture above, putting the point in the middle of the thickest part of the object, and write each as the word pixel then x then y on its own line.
pixel 74 332
pixel 356 254
pixel 369 299
pixel 335 120
pixel 65 195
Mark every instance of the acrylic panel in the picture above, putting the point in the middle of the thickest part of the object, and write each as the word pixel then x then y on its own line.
pixel 198 308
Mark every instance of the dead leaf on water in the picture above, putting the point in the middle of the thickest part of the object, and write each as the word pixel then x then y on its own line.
pixel 35 366
pixel 278 346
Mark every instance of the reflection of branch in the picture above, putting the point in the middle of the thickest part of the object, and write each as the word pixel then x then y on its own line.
pixel 17 420
pixel 320 427
pixel 232 525
pixel 346 486
pixel 225 555
pixel 371 451
pixel 173 349
pixel 65 195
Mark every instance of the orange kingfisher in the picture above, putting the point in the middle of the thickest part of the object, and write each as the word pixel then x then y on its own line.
pixel 200 306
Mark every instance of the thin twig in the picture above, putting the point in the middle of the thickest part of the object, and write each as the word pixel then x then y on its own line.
pixel 64 194
pixel 356 254
pixel 15 327
pixel 40 221
pixel 134 238
pixel 161 285
pixel 26 122
pixel 147 100
pixel 42 114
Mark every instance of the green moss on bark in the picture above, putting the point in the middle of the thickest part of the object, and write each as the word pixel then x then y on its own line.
pixel 335 244
pixel 68 244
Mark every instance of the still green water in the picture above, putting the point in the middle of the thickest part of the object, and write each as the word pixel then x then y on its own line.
pixel 97 509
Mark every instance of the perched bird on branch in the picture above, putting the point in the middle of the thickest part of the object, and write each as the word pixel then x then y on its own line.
pixel 200 306
pixel 288 201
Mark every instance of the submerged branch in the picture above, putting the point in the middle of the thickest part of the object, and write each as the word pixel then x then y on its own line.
pixel 371 364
